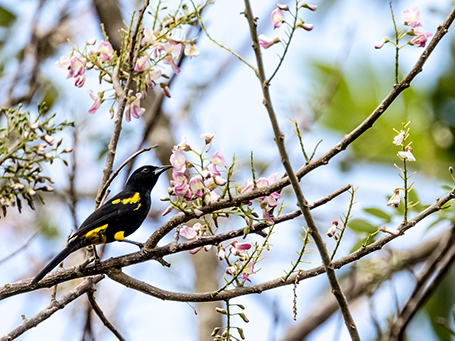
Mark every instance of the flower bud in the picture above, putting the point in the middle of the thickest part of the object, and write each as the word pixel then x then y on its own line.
pixel 221 310
pixel 393 232
pixel 219 180
pixel 91 42
pixel 49 139
pixel 35 125
pixel 310 7
pixel 282 7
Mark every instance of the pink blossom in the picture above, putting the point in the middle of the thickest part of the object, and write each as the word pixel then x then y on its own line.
pixel 381 43
pixel 98 100
pixel 167 210
pixel 197 186
pixel 231 270
pixel 178 161
pixel 141 64
pixel 105 50
pixel 307 27
pixel 190 232
pixel 238 249
pixel 248 270
pixel 149 36
pixel 211 197
pixel 206 173
pixel 179 184
pixel 310 7
pixel 195 250
pixel 80 80
pixel 277 17
pixel 166 91
pixel 420 39
pixel 216 160
pixel 395 199
pixel 63 62
pixel 76 67
pixel 219 180
pixel 151 77
pixel 172 54
pixel 266 42
pixel 133 107
pixel 221 254
pixel 412 17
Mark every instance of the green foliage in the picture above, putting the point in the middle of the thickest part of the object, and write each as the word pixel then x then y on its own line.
pixel 26 144
pixel 440 305
pixel 7 18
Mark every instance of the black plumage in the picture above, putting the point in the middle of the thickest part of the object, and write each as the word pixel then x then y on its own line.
pixel 119 217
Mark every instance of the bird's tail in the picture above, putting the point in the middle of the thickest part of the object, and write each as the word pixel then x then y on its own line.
pixel 70 248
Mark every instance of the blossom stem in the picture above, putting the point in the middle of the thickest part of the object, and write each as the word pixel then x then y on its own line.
pixel 288 43
pixel 405 179
pixel 345 221
pixel 397 40
pixel 196 9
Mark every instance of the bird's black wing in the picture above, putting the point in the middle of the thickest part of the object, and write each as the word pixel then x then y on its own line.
pixel 114 210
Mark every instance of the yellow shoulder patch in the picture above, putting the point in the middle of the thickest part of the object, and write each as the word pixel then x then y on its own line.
pixel 120 235
pixel 138 207
pixel 97 235
pixel 132 200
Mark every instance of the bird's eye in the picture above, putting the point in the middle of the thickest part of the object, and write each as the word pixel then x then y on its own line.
pixel 145 170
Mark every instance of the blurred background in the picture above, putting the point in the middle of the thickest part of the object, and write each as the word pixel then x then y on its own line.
pixel 332 79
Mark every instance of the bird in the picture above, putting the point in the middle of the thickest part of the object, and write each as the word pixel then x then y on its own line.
pixel 119 217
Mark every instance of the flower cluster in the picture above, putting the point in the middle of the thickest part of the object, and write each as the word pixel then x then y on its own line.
pixel 197 189
pixel 411 18
pixel 158 49
pixel 269 202
pixel 242 267
pixel 277 19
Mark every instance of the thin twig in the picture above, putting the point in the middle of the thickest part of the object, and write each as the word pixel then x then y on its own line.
pixel 23 247
pixel 114 175
pixel 302 203
pixel 441 261
pixel 103 318
pixel 122 94
pixel 52 308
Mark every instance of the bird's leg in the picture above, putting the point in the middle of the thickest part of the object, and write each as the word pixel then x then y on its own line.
pixel 97 258
pixel 140 245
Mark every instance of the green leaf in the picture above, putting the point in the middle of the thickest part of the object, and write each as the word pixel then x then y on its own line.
pixel 446 188
pixel 361 242
pixel 7 18
pixel 379 213
pixel 359 225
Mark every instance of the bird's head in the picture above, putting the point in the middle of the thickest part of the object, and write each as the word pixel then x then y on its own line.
pixel 145 177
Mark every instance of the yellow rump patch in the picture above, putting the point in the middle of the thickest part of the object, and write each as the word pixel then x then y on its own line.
pixel 97 235
pixel 120 235
pixel 132 200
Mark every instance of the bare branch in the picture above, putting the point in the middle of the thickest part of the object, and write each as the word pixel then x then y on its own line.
pixel 103 318
pixel 52 308
pixel 302 203
pixel 440 264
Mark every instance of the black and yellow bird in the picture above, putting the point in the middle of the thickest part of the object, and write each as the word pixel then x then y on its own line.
pixel 119 217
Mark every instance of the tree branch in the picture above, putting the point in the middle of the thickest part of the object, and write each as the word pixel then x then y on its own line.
pixel 103 318
pixel 27 324
pixel 302 203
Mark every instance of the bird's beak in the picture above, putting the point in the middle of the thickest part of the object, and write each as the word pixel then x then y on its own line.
pixel 162 169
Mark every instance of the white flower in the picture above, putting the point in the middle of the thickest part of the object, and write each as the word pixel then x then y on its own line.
pixel 398 140
pixel 395 199
pixel 407 155
pixel 333 229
